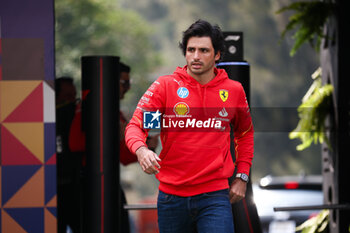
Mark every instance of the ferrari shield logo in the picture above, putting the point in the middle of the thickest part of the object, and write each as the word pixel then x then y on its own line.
pixel 223 95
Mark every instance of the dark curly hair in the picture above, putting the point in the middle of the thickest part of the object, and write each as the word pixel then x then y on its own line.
pixel 202 28
pixel 124 68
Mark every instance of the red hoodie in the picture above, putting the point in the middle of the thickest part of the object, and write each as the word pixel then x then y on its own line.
pixel 195 132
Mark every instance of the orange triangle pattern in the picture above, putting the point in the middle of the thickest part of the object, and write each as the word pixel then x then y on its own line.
pixel 52 202
pixel 50 222
pixel 9 225
pixel 31 194
pixel 31 135
pixel 30 109
pixel 13 152
pixel 12 93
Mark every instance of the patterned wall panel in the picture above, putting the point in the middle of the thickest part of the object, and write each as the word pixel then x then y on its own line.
pixel 27 117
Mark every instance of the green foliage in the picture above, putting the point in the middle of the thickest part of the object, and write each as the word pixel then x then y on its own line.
pixel 317 224
pixel 312 112
pixel 308 20
pixel 96 27
pixel 309 17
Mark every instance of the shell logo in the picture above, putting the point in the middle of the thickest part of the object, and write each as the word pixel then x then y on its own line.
pixel 181 109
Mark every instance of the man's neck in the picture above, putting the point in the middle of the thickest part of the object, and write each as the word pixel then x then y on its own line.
pixel 203 78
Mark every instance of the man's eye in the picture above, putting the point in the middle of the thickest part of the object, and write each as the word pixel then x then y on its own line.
pixel 190 49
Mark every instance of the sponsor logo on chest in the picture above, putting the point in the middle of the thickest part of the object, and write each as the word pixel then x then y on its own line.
pixel 182 92
pixel 223 95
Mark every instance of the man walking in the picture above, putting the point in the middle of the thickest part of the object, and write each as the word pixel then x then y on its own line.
pixel 195 108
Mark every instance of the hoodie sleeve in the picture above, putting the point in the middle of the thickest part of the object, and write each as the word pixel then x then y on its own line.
pixel 243 135
pixel 152 100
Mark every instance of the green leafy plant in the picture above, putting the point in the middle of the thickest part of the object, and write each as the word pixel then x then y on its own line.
pixel 312 113
pixel 317 224
pixel 309 19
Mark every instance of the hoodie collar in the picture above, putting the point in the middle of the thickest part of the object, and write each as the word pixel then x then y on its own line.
pixel 181 72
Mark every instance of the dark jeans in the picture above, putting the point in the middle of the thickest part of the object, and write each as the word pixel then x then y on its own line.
pixel 205 213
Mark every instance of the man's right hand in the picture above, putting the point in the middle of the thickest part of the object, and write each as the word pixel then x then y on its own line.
pixel 148 160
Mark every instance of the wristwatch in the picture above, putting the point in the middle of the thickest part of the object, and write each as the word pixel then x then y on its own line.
pixel 243 177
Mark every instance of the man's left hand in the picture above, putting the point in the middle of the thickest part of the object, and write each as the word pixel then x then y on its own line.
pixel 237 190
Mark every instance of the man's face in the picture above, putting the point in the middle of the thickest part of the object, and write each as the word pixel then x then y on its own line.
pixel 200 56
pixel 124 84
pixel 68 93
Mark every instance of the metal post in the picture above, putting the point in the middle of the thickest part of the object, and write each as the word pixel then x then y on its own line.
pixel 334 62
pixel 245 215
pixel 100 121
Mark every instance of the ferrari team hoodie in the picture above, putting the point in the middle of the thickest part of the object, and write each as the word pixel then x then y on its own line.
pixel 195 122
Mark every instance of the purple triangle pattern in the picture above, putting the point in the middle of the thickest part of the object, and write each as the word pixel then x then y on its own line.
pixel 53 210
pixel 50 182
pixel 0 220
pixel 14 177
pixel 50 139
pixel 30 219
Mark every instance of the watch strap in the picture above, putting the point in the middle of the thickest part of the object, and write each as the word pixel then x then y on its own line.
pixel 243 176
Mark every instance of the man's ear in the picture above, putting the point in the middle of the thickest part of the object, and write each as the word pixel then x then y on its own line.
pixel 217 56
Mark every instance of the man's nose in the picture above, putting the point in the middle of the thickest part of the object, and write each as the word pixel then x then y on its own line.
pixel 196 55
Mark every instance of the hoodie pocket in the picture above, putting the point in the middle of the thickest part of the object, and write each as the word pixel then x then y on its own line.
pixel 185 163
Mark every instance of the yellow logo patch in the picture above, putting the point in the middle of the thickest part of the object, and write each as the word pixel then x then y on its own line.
pixel 223 95
pixel 181 109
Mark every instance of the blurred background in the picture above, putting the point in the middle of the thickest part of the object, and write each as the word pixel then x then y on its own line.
pixel 145 35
